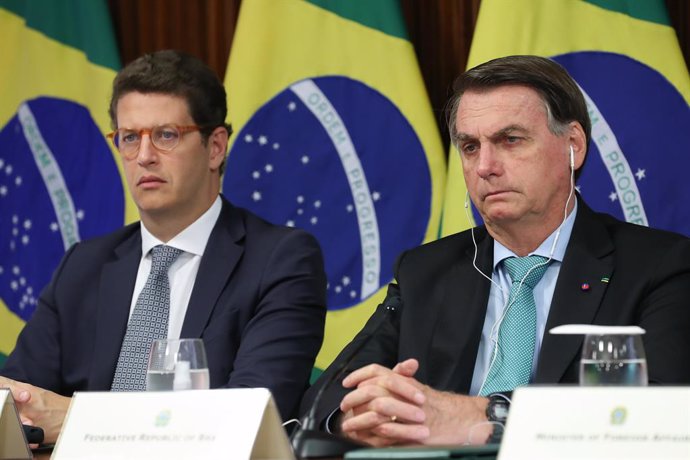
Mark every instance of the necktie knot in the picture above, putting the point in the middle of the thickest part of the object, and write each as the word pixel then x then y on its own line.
pixel 163 257
pixel 526 270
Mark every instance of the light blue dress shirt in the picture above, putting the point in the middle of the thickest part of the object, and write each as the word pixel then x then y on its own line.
pixel 498 298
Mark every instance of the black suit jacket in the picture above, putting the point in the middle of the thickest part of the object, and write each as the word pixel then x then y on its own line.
pixel 445 300
pixel 258 303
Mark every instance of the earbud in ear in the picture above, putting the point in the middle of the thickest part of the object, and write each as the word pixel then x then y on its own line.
pixel 572 158
pixel 467 200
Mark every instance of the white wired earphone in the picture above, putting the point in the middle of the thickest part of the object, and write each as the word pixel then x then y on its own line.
pixel 494 333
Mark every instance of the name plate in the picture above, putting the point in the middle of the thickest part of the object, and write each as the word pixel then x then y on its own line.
pixel 12 440
pixel 602 423
pixel 223 423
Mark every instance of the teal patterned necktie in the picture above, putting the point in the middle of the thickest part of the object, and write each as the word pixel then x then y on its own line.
pixel 518 331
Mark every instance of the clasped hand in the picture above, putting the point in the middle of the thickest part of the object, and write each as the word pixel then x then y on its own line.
pixel 390 407
pixel 38 407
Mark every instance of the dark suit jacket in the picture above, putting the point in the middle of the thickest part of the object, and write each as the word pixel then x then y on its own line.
pixel 445 299
pixel 258 303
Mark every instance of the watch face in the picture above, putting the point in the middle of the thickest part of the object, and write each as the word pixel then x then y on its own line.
pixel 500 411
pixel 497 410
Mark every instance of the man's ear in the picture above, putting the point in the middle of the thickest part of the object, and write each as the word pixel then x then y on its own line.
pixel 218 147
pixel 578 142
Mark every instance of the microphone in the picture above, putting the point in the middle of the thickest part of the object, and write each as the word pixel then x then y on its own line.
pixel 308 441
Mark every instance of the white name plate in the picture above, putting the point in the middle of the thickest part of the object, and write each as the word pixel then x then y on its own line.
pixel 223 423
pixel 12 440
pixel 598 423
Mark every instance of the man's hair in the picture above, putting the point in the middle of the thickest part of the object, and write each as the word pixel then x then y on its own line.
pixel 178 74
pixel 562 97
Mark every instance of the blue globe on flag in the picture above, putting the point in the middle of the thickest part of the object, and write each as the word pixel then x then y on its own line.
pixel 337 158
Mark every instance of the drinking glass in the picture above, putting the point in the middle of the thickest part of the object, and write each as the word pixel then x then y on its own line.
pixel 177 364
pixel 613 359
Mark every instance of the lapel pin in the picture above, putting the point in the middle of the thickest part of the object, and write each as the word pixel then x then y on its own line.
pixel 605 279
pixel 584 286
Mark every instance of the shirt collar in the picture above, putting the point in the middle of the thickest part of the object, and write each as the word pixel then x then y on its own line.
pixel 192 239
pixel 501 252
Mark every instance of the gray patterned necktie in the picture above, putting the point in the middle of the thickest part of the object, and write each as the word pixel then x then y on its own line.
pixel 517 334
pixel 149 321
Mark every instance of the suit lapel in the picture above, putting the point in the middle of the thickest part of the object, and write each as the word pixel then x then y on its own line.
pixel 114 299
pixel 463 310
pixel 588 260
pixel 221 255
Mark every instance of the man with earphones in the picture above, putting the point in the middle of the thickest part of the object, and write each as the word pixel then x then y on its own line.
pixel 476 306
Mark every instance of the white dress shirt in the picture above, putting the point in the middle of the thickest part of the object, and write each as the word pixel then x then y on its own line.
pixel 182 273
pixel 498 298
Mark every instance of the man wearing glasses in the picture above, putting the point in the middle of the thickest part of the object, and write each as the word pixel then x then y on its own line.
pixel 254 292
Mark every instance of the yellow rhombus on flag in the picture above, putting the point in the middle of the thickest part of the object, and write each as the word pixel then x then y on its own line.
pixel 626 58
pixel 335 135
pixel 59 179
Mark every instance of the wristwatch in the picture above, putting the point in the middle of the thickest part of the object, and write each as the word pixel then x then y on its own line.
pixel 497 409
pixel 497 413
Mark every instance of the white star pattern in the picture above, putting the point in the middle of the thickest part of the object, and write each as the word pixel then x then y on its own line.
pixel 290 223
pixel 263 140
pixel 256 196
pixel 641 173
pixel 15 219
pixel 248 138
pixel 2 270
pixel 613 197
pixel 300 199
pixel 18 181
pixel 276 146
pixel 15 270
pixel 376 196
pixel 80 214
pixel 3 191
pixel 346 280
pixel 314 220
pixel 304 159
pixel 14 285
pixel 22 281
pixel 8 169
pixel 292 106
pixel 353 294
pixel 268 168
pixel 2 163
pixel 25 240
pixel 338 289
pixel 54 227
pixel 349 208
pixel 256 174
pixel 300 211
pixel 27 224
pixel 317 204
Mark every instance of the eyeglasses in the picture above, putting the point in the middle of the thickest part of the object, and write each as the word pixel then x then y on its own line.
pixel 164 137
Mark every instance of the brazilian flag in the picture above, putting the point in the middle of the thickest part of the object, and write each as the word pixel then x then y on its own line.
pixel 626 58
pixel 59 179
pixel 335 135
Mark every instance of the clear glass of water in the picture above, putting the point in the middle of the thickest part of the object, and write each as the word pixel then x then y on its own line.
pixel 177 364
pixel 613 359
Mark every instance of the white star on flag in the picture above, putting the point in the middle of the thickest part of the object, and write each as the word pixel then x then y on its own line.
pixel 641 173
pixel 613 196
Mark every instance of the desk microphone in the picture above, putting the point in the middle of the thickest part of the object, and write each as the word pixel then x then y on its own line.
pixel 308 441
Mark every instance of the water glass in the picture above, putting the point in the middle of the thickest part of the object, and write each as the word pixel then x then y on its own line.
pixel 177 364
pixel 613 359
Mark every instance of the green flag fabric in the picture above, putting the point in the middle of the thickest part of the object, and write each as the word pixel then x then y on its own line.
pixel 626 58
pixel 335 135
pixel 59 179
